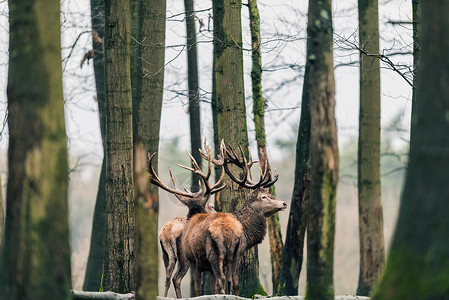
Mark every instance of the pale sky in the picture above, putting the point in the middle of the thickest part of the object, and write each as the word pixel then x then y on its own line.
pixel 283 27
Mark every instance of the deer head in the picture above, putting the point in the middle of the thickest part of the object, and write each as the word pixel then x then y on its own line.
pixel 260 196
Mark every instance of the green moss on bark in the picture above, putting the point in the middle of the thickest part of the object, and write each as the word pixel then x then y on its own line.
pixel 147 105
pixel 324 149
pixel 36 254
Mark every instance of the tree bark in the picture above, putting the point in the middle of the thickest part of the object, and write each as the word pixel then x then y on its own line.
pixel 231 117
pixel 2 219
pixel 194 96
pixel 324 148
pixel 293 254
pixel 416 16
pixel 274 228
pixel 80 295
pixel 120 260
pixel 418 263
pixel 147 105
pixel 36 254
pixel 194 103
pixel 94 267
pixel 371 235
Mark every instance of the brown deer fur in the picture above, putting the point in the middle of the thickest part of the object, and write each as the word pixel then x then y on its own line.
pixel 197 202
pixel 215 242
pixel 170 232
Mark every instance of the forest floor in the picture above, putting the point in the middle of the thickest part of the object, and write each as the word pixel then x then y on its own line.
pixel 232 297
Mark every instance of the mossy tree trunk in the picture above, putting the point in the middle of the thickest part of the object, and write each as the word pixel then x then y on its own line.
pixel 418 263
pixel 324 149
pixel 293 254
pixel 147 104
pixel 36 256
pixel 120 260
pixel 274 228
pixel 231 117
pixel 371 235
pixel 94 267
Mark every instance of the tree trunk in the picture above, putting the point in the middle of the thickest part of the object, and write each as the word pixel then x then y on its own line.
pixel 274 228
pixel 120 260
pixel 293 254
pixel 94 267
pixel 231 117
pixel 324 148
pixel 147 105
pixel 194 96
pixel 36 256
pixel 2 219
pixel 416 16
pixel 418 263
pixel 194 102
pixel 372 253
pixel 80 295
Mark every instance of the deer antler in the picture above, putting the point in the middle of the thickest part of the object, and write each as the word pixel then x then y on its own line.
pixel 218 186
pixel 230 156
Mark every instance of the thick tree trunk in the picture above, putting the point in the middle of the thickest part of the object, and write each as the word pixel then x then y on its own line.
pixel 94 267
pixel 274 228
pixel 293 254
pixel 231 117
pixel 371 235
pixel 418 263
pixel 36 256
pixel 147 105
pixel 324 149
pixel 120 260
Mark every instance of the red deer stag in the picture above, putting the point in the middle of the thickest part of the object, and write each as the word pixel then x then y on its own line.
pixel 218 241
pixel 196 202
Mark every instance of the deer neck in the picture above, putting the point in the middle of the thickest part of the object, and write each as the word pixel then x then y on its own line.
pixel 254 224
pixel 196 209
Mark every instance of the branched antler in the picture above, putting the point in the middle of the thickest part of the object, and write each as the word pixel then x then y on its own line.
pixel 231 157
pixel 200 195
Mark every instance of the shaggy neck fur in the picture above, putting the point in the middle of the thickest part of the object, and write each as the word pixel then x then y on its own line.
pixel 195 209
pixel 254 224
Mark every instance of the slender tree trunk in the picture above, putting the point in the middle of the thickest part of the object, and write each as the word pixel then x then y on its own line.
pixel 418 263
pixel 416 16
pixel 231 117
pixel 217 169
pixel 36 256
pixel 194 100
pixel 371 235
pixel 194 96
pixel 324 148
pixel 2 219
pixel 274 227
pixel 293 254
pixel 147 105
pixel 120 261
pixel 94 268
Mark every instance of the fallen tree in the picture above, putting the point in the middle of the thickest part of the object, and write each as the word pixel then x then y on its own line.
pixel 79 295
